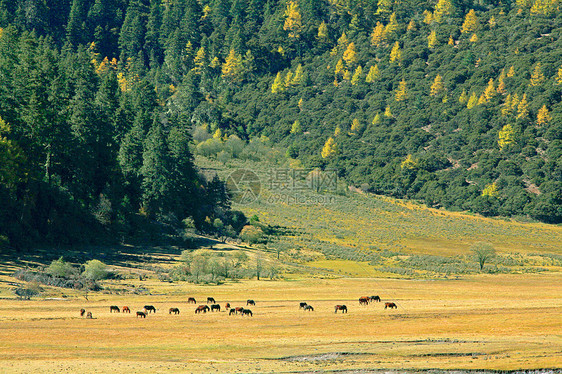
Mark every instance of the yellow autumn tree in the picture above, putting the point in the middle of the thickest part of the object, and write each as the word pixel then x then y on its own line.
pixel 543 116
pixel 401 93
pixel 378 35
pixel 322 32
pixel 506 136
pixel 387 112
pixel 427 17
pixel 523 107
pixel 411 26
pixel 330 148
pixel 473 38
pixel 233 67
pixel 298 76
pixel 559 76
pixel 339 67
pixel 432 39
pixel 373 74
pixel 293 20
pixel 511 72
pixel 296 127
pixel 277 85
pixel 437 87
pixel 376 119
pixel 350 55
pixel 490 190
pixel 501 83
pixel 490 90
pixel 199 61
pixel 409 163
pixel 355 126
pixel 396 53
pixel 472 101
pixel 356 75
pixel 451 40
pixel 537 77
pixel 443 8
pixel 463 98
pixel 470 23
pixel 392 25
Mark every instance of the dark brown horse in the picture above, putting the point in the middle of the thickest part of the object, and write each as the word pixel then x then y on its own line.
pixel 89 315
pixel 211 300
pixel 390 305
pixel 149 309
pixel 174 310
pixel 302 305
pixel 191 300
pixel 126 309
pixel 141 314
pixel 202 308
pixel 215 307
pixel 343 308
pixel 375 298
pixel 238 309
pixel 247 312
pixel 114 308
pixel 250 302
pixel 309 308
pixel 82 312
pixel 364 300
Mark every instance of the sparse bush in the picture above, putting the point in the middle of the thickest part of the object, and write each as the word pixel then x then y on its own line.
pixel 28 292
pixel 251 234
pixel 95 270
pixel 61 268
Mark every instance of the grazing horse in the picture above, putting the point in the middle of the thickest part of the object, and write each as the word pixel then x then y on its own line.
pixel 126 309
pixel 364 300
pixel 141 314
pixel 191 300
pixel 89 315
pixel 390 305
pixel 149 308
pixel 309 308
pixel 202 308
pixel 215 307
pixel 174 310
pixel 114 308
pixel 232 311
pixel 375 298
pixel 211 300
pixel 227 306
pixel 302 305
pixel 82 312
pixel 343 308
pixel 238 309
pixel 247 312
pixel 250 302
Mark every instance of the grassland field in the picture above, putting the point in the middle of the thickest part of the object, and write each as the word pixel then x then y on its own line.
pixel 450 316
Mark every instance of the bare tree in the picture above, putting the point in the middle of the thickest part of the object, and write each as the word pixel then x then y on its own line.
pixel 483 252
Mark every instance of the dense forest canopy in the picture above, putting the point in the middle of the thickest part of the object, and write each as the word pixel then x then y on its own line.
pixel 455 103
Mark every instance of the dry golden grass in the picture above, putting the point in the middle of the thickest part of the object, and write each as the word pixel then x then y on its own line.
pixel 477 322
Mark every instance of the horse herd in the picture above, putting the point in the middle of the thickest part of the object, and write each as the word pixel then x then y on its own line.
pixel 215 307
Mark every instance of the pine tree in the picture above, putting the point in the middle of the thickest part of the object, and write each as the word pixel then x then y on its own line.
pixel 376 119
pixel 443 8
pixel 501 83
pixel 293 20
pixel 232 68
pixel 350 56
pixel 392 25
pixel 330 148
pixel 411 26
pixel 506 136
pixel 537 77
pixel 384 6
pixel 490 90
pixel 470 23
pixel 339 67
pixel 432 40
pixel 427 17
pixel 473 38
pixel 437 87
pixel 559 76
pixel 355 126
pixel 296 128
pixel 523 108
pixel 451 40
pixel 395 53
pixel 299 75
pixel 199 61
pixel 472 101
pixel 401 93
pixel 463 98
pixel 387 112
pixel 356 75
pixel 378 35
pixel 511 72
pixel 543 116
pixel 277 85
pixel 323 32
pixel 373 74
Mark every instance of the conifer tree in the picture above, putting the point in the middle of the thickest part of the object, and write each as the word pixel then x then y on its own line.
pixel 355 126
pixel 401 93
pixel 451 40
pixel 330 148
pixel 523 108
pixel 232 68
pixel 437 87
pixel 293 20
pixel 490 90
pixel 396 53
pixel 296 127
pixel 501 83
pixel 392 25
pixel 373 74
pixel 543 116
pixel 378 35
pixel 350 56
pixel 323 32
pixel 472 101
pixel 511 72
pixel 427 17
pixel 470 23
pixel 411 26
pixel 559 76
pixel 432 39
pixel 387 112
pixel 537 77
pixel 474 38
pixel 356 75
pixel 299 75
pixel 506 136
pixel 442 9
pixel 463 98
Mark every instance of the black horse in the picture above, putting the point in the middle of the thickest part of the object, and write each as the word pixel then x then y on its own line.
pixel 247 312
pixel 375 298
pixel 174 310
pixel 309 308
pixel 114 308
pixel 343 308
pixel 215 307
pixel 302 305
pixel 149 309
pixel 211 300
pixel 250 302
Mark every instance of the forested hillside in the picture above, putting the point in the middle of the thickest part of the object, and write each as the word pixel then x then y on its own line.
pixel 455 103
